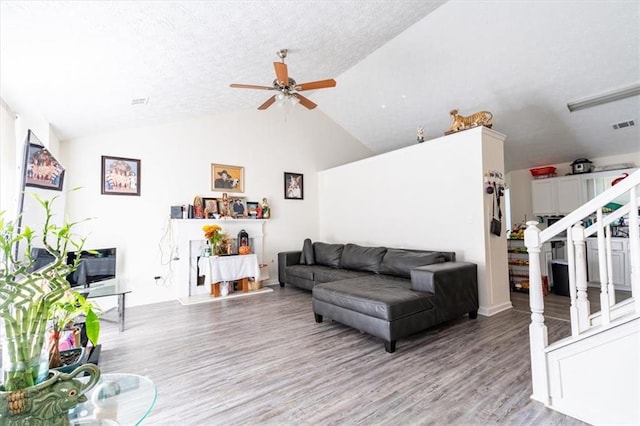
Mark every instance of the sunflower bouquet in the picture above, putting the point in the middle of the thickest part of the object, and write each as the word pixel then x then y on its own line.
pixel 216 238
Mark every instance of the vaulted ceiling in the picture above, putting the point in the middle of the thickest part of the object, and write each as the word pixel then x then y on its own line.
pixel 398 65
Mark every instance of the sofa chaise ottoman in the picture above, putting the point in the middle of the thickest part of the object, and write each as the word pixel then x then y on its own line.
pixel 386 292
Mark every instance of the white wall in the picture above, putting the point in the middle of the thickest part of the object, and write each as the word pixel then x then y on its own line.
pixel 13 138
pixel 175 167
pixel 519 181
pixel 425 196
pixel 8 161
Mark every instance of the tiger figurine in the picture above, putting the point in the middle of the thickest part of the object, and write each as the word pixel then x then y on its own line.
pixel 460 122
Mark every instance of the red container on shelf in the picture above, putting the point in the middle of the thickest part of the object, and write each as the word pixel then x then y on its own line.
pixel 540 171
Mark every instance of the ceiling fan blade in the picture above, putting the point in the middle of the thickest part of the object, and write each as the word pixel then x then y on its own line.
pixel 250 86
pixel 316 85
pixel 268 103
pixel 305 102
pixel 282 74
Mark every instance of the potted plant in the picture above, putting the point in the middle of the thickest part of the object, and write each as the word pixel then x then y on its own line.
pixel 27 297
pixel 62 320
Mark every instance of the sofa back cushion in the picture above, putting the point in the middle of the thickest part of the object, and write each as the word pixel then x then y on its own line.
pixel 327 254
pixel 358 258
pixel 306 254
pixel 399 262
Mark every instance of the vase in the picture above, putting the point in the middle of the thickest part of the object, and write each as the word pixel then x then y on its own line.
pixel 219 249
pixel 47 403
pixel 224 288
pixel 23 365
pixel 207 250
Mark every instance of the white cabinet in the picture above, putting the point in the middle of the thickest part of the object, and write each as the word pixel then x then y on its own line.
pixel 597 183
pixel 557 196
pixel 620 267
pixel 544 195
pixel 571 193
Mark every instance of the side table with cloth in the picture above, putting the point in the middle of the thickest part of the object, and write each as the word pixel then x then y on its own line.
pixel 239 268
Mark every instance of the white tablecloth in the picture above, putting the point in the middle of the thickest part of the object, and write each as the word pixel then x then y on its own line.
pixel 228 268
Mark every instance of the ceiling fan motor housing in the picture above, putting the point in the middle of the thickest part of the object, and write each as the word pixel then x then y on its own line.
pixel 288 88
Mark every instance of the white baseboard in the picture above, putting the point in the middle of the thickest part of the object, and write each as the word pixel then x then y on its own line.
pixel 488 311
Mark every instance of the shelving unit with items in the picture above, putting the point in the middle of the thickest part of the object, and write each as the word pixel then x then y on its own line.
pixel 518 260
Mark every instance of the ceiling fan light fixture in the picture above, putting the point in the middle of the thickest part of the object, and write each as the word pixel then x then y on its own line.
pixel 613 95
pixel 286 87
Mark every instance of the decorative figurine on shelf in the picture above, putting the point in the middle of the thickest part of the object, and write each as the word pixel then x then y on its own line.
pixel 198 207
pixel 420 134
pixel 225 205
pixel 460 122
pixel 259 211
pixel 266 211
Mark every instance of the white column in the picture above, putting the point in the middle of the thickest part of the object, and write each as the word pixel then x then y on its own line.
pixel 582 303
pixel 538 337
pixel 634 247
pixel 606 272
pixel 573 294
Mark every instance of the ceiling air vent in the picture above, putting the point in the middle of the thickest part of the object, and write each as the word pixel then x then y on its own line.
pixel 139 101
pixel 623 124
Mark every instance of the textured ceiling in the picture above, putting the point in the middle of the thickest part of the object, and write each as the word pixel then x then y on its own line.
pixel 398 64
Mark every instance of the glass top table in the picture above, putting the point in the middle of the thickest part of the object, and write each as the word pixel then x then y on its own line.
pixel 108 288
pixel 117 399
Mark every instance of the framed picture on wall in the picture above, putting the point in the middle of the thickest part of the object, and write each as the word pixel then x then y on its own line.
pixel 42 170
pixel 293 186
pixel 227 178
pixel 120 176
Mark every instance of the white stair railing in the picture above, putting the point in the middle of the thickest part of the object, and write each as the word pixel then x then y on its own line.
pixel 580 310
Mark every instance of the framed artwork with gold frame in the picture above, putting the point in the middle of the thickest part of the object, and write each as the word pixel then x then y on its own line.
pixel 227 178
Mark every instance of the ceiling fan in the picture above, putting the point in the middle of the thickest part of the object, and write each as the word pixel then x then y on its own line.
pixel 287 87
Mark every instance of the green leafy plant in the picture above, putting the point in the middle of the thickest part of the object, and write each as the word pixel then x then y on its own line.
pixel 63 315
pixel 27 295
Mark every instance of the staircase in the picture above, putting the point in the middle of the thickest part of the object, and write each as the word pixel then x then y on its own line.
pixel 593 375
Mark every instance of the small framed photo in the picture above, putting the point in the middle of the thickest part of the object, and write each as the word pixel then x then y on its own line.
pixel 210 206
pixel 252 209
pixel 120 176
pixel 227 178
pixel 238 207
pixel 42 170
pixel 293 186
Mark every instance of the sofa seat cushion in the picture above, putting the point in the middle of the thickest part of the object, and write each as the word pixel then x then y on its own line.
pixel 387 298
pixel 325 275
pixel 301 271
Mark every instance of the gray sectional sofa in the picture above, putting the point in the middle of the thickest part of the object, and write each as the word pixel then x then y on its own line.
pixel 386 292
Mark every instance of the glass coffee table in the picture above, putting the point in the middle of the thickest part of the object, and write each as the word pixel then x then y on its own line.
pixel 108 288
pixel 117 399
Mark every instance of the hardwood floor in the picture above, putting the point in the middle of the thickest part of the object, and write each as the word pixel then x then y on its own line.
pixel 263 360
pixel 557 306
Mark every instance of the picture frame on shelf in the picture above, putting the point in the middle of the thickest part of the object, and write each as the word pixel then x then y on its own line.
pixel 252 209
pixel 120 176
pixel 42 170
pixel 227 178
pixel 238 207
pixel 293 186
pixel 210 207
